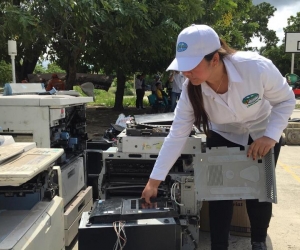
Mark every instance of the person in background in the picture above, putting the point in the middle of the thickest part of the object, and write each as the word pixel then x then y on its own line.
pixel 139 92
pixel 56 83
pixel 177 79
pixel 143 86
pixel 153 86
pixel 240 98
pixel 161 95
pixel 168 86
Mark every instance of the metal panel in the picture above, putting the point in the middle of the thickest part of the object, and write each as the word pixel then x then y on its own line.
pixel 73 179
pixel 228 174
pixel 152 145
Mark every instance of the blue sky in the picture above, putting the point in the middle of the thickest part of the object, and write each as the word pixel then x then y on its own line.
pixel 285 9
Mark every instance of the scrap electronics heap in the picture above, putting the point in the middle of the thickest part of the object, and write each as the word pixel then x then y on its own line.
pixel 124 173
pixel 120 220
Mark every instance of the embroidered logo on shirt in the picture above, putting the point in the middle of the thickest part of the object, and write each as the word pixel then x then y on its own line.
pixel 181 47
pixel 249 100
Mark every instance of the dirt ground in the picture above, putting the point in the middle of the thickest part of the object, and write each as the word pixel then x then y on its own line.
pixel 100 118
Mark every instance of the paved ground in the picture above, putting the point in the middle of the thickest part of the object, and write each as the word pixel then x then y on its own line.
pixel 284 231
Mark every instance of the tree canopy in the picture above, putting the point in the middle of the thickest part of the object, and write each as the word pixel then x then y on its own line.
pixel 277 53
pixel 120 37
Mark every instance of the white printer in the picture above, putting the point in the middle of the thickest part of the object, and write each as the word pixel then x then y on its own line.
pixel 31 209
pixel 30 114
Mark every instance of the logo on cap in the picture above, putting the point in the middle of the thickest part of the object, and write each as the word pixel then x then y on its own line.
pixel 181 47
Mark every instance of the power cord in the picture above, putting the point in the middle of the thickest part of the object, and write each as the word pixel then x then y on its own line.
pixel 175 186
pixel 119 227
pixel 185 230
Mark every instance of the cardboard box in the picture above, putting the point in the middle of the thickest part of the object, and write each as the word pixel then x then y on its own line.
pixel 240 224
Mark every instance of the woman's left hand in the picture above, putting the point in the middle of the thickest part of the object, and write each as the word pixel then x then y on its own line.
pixel 260 147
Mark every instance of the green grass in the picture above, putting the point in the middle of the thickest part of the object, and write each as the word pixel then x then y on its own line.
pixel 107 98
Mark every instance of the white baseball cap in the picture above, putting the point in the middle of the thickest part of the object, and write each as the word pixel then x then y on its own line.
pixel 193 43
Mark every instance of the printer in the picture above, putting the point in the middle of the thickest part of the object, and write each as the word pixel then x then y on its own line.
pixel 29 114
pixel 31 206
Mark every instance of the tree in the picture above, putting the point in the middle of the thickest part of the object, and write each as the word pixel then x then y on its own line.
pixel 277 53
pixel 293 26
pixel 120 37
pixel 238 21
pixel 54 68
pixel 5 73
pixel 278 56
pixel 39 69
pixel 140 37
pixel 73 22
pixel 23 21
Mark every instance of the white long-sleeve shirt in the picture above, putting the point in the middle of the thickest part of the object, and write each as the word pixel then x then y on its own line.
pixel 138 83
pixel 258 103
pixel 178 80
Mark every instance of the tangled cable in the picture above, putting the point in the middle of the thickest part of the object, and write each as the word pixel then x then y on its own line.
pixel 173 193
pixel 119 227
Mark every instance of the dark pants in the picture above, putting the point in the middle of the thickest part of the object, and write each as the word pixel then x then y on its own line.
pixel 220 212
pixel 174 97
pixel 139 98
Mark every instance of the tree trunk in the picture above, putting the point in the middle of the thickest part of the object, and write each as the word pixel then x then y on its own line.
pixel 25 69
pixel 71 75
pixel 121 79
pixel 72 68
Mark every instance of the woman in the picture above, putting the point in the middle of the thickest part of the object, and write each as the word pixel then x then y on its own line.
pixel 160 94
pixel 240 98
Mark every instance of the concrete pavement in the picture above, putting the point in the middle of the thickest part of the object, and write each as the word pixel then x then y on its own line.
pixel 284 231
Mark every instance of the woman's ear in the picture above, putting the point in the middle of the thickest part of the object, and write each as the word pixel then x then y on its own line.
pixel 215 59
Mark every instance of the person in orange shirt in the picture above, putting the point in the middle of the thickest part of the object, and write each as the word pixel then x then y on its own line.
pixel 56 83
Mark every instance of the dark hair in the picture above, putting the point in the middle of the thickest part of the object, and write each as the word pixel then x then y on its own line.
pixel 195 92
pixel 157 83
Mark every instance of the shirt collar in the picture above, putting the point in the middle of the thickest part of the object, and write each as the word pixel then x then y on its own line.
pixel 233 76
pixel 232 73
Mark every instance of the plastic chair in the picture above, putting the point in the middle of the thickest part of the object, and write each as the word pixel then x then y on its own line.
pixel 294 81
pixel 152 99
pixel 292 78
pixel 158 107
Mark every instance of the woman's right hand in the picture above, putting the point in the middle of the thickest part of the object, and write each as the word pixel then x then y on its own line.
pixel 150 190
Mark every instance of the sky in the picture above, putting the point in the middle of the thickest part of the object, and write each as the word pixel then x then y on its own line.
pixel 285 9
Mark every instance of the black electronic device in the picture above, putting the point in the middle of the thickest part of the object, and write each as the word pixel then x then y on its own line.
pixel 166 231
pixel 108 211
pixel 93 153
pixel 94 149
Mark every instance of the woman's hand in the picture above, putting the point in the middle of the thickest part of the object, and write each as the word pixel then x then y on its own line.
pixel 260 147
pixel 150 190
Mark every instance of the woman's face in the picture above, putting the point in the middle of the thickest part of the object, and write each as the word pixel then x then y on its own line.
pixel 202 72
